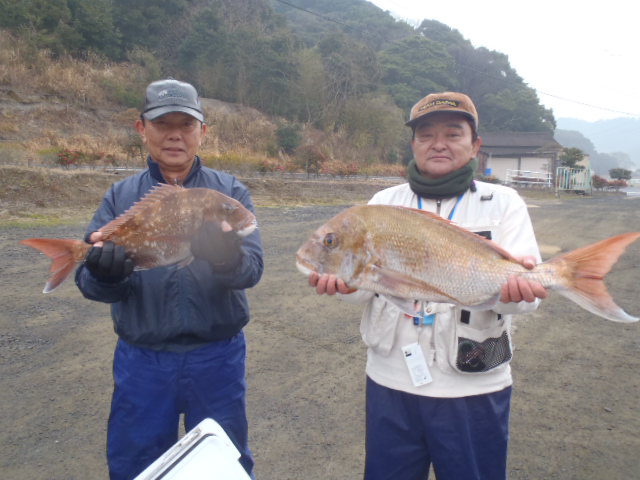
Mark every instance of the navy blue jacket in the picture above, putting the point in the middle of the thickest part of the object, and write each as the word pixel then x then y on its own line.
pixel 170 308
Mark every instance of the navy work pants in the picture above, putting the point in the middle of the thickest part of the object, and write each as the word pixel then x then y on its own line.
pixel 464 438
pixel 152 389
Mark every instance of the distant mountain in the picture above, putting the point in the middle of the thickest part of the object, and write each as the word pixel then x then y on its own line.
pixel 601 163
pixel 619 135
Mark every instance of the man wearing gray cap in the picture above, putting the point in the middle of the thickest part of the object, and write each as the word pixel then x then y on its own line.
pixel 439 382
pixel 181 348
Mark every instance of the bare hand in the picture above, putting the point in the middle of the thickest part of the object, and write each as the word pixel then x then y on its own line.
pixel 328 284
pixel 518 289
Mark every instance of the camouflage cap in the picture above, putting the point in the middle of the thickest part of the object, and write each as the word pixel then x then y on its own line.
pixel 171 95
pixel 443 102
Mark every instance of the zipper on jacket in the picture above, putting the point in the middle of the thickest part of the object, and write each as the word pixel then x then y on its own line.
pixel 438 205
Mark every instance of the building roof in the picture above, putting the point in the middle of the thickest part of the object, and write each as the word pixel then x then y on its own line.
pixel 519 143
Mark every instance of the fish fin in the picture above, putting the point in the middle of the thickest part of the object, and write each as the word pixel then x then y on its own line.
pixel 157 194
pixel 406 306
pixel 393 280
pixel 226 226
pixel 587 268
pixel 487 305
pixel 184 262
pixel 64 254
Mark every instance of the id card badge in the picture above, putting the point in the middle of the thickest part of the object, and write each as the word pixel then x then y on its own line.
pixel 416 364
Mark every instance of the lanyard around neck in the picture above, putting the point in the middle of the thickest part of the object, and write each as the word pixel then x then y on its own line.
pixel 452 211
pixel 423 318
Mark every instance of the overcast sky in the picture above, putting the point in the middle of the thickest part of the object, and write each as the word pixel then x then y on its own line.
pixel 581 57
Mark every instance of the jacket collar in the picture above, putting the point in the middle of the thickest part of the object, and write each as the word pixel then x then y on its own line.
pixel 154 170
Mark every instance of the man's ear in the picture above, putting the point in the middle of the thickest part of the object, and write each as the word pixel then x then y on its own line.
pixel 139 125
pixel 476 146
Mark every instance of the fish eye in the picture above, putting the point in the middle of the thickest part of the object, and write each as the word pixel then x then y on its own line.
pixel 330 240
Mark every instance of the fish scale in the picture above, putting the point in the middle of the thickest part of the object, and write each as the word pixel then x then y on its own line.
pixel 156 231
pixel 419 258
pixel 410 254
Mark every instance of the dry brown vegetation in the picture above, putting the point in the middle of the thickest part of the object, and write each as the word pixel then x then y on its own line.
pixel 53 195
pixel 51 104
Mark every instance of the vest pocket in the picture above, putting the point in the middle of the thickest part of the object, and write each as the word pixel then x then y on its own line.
pixel 474 357
pixel 480 350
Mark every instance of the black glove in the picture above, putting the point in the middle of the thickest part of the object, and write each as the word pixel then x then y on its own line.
pixel 220 249
pixel 109 263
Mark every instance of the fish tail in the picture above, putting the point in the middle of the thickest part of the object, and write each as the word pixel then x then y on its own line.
pixel 585 269
pixel 64 255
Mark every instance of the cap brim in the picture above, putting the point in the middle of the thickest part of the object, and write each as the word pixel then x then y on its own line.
pixel 159 111
pixel 415 121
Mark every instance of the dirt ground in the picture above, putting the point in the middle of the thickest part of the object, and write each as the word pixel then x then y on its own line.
pixel 575 414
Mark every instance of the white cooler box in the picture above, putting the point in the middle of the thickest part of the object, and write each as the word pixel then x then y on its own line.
pixel 206 452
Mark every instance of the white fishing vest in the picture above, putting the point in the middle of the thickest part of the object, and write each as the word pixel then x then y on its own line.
pixel 467 353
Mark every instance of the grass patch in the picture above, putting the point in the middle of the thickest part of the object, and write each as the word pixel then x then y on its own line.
pixel 293 203
pixel 42 219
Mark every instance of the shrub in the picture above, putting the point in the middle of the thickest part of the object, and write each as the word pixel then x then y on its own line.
pixel 126 95
pixel 309 159
pixel 288 137
pixel 599 182
pixel 617 184
pixel 69 158
pixel 242 162
pixel 490 178
pixel 338 169
pixel 270 165
pixel 384 170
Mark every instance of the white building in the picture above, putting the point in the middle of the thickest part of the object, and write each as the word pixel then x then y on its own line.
pixel 532 154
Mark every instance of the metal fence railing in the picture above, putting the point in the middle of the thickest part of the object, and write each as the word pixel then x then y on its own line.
pixel 527 178
pixel 574 179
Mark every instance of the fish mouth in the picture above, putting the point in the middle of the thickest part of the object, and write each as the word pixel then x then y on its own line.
pixel 304 267
pixel 249 229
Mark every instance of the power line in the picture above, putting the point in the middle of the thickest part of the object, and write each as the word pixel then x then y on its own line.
pixel 315 14
pixel 493 77
pixel 588 104
pixel 462 64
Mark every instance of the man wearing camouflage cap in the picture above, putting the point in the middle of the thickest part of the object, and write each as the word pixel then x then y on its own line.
pixel 449 409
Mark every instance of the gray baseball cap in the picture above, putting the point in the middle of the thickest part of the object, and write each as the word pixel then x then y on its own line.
pixel 171 95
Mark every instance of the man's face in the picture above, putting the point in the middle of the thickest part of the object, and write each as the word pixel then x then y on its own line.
pixel 443 143
pixel 172 140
